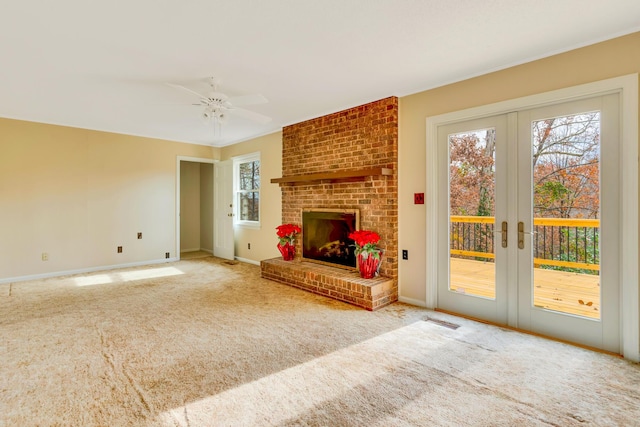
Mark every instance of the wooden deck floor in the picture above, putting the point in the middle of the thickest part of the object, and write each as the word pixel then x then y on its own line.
pixel 555 290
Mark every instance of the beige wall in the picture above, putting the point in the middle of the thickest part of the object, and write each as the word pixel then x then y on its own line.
pixel 78 194
pixel 263 240
pixel 597 62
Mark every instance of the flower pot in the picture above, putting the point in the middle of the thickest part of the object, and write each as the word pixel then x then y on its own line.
pixel 369 264
pixel 288 251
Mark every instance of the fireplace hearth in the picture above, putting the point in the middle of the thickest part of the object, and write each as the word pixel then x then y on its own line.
pixel 325 236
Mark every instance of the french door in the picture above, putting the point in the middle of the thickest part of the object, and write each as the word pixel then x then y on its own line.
pixel 473 160
pixel 529 230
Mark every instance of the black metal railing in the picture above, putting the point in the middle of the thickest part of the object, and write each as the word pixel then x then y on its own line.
pixel 563 244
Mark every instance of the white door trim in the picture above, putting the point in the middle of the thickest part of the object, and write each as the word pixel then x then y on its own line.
pixel 627 86
pixel 178 160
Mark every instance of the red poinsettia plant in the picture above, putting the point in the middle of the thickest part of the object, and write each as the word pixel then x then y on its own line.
pixel 366 243
pixel 287 233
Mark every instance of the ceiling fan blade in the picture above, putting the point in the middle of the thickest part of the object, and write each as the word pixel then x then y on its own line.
pixel 251 115
pixel 248 100
pixel 199 95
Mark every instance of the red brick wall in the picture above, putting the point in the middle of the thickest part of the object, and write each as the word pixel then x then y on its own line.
pixel 357 138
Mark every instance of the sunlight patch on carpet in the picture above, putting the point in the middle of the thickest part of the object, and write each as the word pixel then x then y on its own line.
pixel 95 279
pixel 302 387
pixel 126 276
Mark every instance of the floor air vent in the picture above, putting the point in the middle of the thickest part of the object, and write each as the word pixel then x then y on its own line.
pixel 442 323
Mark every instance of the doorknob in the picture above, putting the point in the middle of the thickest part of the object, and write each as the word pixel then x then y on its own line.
pixel 521 234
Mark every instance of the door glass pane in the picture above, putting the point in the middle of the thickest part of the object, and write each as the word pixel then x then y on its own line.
pixel 566 200
pixel 471 213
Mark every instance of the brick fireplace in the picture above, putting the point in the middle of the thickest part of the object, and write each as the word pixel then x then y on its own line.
pixel 345 160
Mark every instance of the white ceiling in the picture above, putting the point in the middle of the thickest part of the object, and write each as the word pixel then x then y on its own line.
pixel 104 64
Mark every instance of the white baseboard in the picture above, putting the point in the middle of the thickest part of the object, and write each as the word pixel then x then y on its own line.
pixel 248 261
pixel 85 270
pixel 412 301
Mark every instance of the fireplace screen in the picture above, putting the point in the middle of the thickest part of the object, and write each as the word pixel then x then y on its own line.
pixel 325 236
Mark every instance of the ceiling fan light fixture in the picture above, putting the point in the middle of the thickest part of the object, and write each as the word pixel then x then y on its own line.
pixel 215 115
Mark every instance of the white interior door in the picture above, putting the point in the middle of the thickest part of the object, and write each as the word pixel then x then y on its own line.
pixel 528 231
pixel 223 236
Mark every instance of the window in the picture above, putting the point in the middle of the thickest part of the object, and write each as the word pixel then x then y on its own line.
pixel 247 189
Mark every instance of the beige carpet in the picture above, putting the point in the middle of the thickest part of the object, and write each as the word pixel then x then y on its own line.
pixel 205 343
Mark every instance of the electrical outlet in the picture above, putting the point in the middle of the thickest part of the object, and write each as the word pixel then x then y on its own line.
pixel 418 198
pixel 405 254
pixel 166 255
pixel 139 235
pixel 45 256
pixel 248 245
pixel 119 249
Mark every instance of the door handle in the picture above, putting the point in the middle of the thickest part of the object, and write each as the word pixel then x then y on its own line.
pixel 521 234
pixel 504 233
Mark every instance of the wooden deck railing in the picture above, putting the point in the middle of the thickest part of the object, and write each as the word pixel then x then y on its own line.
pixel 558 243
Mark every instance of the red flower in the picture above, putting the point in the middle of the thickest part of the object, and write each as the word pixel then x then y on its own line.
pixel 364 237
pixel 287 233
pixel 366 243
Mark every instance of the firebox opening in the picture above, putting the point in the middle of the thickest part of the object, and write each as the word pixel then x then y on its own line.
pixel 325 236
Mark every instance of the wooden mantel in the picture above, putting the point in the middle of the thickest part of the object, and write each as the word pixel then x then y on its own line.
pixel 333 176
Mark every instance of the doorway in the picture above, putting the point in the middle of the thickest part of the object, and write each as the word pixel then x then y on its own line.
pixel 528 230
pixel 194 223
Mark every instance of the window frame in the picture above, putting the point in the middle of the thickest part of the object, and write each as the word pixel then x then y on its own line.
pixel 237 191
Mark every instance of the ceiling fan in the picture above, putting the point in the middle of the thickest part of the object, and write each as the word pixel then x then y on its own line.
pixel 217 106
